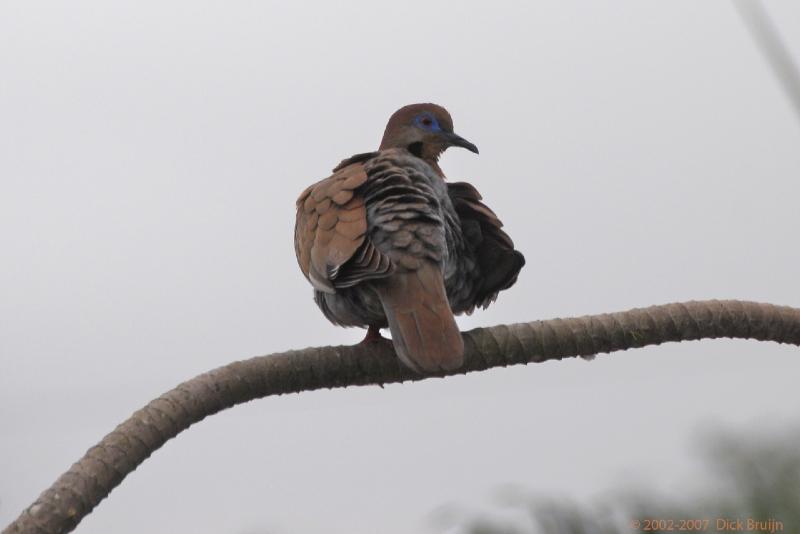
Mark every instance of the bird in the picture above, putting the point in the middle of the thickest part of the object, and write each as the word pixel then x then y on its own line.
pixel 388 241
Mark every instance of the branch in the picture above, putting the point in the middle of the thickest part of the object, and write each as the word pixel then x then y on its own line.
pixel 768 39
pixel 75 494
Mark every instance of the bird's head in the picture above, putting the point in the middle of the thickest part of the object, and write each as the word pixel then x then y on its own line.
pixel 426 130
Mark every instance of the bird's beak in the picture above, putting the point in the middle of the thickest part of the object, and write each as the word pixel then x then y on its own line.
pixel 456 140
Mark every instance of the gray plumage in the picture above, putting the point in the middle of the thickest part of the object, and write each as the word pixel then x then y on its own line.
pixel 386 241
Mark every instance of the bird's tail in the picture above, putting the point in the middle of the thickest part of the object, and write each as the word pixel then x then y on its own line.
pixel 424 331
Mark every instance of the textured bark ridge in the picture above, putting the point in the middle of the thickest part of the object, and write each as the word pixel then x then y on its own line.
pixel 61 507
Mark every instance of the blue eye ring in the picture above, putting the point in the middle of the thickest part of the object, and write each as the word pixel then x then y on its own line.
pixel 428 122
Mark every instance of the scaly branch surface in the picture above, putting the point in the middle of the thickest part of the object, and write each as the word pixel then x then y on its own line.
pixel 75 494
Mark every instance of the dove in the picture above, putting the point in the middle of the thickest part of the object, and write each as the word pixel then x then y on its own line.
pixel 387 241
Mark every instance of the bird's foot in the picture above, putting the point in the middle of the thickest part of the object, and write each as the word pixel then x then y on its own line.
pixel 373 336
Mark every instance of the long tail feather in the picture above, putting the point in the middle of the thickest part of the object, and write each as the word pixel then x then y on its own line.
pixel 424 331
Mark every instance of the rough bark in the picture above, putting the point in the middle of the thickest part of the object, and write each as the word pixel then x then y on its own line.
pixel 75 494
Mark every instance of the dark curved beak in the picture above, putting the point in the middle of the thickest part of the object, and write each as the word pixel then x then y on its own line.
pixel 456 140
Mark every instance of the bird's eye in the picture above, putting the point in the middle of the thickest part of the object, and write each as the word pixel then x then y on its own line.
pixel 427 122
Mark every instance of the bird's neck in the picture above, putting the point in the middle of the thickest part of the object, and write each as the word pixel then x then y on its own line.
pixel 427 153
pixel 435 166
pixel 430 155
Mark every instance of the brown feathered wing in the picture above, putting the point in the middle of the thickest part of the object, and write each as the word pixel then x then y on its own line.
pixel 497 262
pixel 330 233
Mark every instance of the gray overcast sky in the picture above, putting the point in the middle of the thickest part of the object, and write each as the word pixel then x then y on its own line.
pixel 639 152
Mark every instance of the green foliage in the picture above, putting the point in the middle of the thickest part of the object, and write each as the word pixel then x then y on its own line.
pixel 753 476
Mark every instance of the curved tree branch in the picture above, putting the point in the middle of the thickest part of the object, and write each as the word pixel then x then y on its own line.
pixel 61 507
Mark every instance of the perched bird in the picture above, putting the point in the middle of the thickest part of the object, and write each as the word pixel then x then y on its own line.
pixel 386 241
